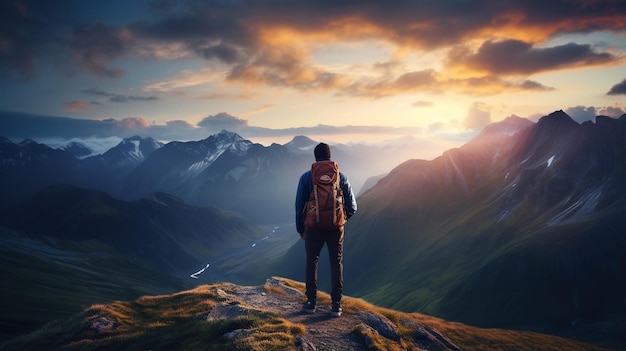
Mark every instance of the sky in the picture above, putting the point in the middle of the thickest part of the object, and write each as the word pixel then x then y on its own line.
pixel 336 71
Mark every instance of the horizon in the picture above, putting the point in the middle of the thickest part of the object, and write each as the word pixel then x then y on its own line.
pixel 339 73
pixel 429 150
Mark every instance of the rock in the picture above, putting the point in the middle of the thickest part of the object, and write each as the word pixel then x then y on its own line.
pixel 380 323
pixel 305 345
pixel 230 311
pixel 102 323
pixel 430 338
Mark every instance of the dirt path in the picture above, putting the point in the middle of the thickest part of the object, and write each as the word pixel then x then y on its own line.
pixel 323 330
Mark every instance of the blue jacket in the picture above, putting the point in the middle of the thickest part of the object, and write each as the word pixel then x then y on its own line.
pixel 305 187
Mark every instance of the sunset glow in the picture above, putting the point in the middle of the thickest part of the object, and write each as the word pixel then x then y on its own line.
pixel 367 70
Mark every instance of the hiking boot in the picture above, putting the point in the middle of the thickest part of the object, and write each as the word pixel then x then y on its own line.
pixel 336 310
pixel 309 307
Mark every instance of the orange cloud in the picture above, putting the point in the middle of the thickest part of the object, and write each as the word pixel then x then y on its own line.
pixel 133 123
pixel 77 106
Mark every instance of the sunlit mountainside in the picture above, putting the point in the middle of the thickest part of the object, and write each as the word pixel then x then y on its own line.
pixel 521 228
pixel 510 229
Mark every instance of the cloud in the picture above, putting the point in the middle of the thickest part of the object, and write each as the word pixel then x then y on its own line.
pixel 478 116
pixel 422 104
pixel 221 121
pixel 185 79
pixel 119 98
pixel 94 46
pixel 19 126
pixel 588 113
pixel 515 57
pixel 581 113
pixel 131 123
pixel 261 109
pixel 245 35
pixel 431 81
pixel 612 111
pixel 618 89
pixel 79 106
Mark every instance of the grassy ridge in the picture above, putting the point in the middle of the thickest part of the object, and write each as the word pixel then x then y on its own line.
pixel 178 322
pixel 166 322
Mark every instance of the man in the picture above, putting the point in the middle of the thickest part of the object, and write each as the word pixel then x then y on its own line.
pixel 315 238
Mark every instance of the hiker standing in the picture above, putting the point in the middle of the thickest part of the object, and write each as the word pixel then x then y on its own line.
pixel 324 202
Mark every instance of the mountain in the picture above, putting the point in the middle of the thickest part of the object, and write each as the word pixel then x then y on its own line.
pixel 231 317
pixel 522 226
pixel 130 152
pixel 77 149
pixel 28 166
pixel 109 171
pixel 225 171
pixel 159 229
pixel 301 144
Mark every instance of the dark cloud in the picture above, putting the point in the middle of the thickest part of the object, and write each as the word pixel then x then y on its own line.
pixel 618 89
pixel 518 57
pixel 113 97
pixel 94 46
pixel 431 81
pixel 28 32
pixel 20 126
pixel 34 32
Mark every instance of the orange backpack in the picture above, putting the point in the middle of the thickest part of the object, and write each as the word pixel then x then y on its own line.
pixel 325 209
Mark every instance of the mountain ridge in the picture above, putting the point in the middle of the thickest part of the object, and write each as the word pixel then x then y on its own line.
pixel 161 228
pixel 463 214
pixel 231 317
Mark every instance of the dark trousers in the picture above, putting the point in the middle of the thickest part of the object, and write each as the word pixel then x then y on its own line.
pixel 314 240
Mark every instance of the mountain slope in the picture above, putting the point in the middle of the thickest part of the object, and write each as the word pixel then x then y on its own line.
pixel 160 229
pixel 27 167
pixel 231 317
pixel 47 278
pixel 514 228
pixel 109 171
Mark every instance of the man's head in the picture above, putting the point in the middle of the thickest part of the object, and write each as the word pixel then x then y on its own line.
pixel 322 152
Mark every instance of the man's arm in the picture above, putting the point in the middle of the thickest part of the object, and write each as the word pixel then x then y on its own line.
pixel 348 196
pixel 302 196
